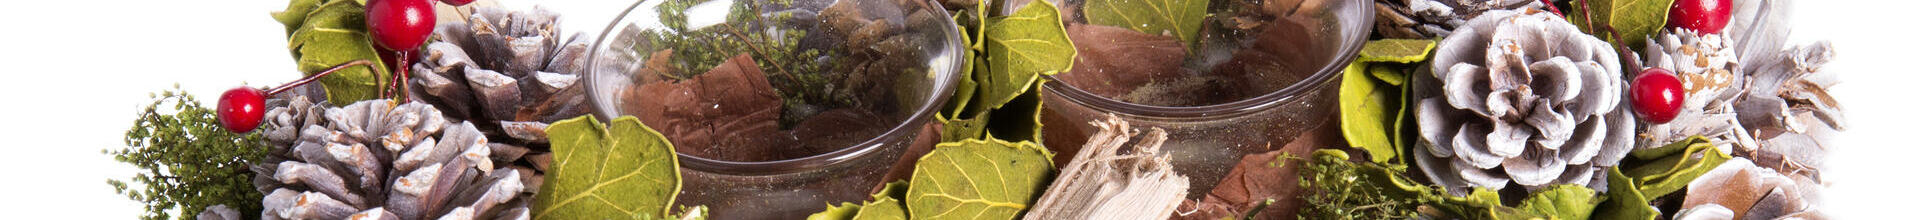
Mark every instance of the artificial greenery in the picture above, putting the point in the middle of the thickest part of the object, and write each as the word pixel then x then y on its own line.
pixel 1337 189
pixel 187 162
pixel 793 69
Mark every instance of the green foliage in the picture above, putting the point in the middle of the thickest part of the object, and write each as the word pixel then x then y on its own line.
pixel 620 170
pixel 1178 18
pixel 1633 20
pixel 978 179
pixel 1669 168
pixel 1337 189
pixel 1020 48
pixel 886 205
pixel 187 161
pixel 1374 97
pixel 326 33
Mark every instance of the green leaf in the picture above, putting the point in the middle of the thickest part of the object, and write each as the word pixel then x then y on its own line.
pixel 1670 173
pixel 296 13
pixel 1624 201
pixel 1635 20
pixel 845 210
pixel 954 130
pixel 1371 99
pixel 1562 202
pixel 1363 113
pixel 978 179
pixel 622 170
pixel 1021 47
pixel 1179 18
pixel 883 208
pixel 333 34
pixel 1396 50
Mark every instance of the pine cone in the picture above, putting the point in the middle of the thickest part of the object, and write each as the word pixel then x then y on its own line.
pixel 1786 108
pixel 1706 65
pixel 1521 97
pixel 507 72
pixel 378 161
pixel 1428 19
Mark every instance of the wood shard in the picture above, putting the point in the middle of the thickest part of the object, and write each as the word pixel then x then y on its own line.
pixel 1101 183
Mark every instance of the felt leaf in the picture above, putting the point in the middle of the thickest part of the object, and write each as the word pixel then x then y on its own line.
pixel 1624 201
pixel 978 179
pixel 620 170
pixel 1020 48
pixel 1179 18
pixel 1396 50
pixel 1638 19
pixel 1633 19
pixel 845 210
pixel 955 130
pixel 1364 106
pixel 333 34
pixel 883 208
pixel 296 13
pixel 1370 102
pixel 1565 201
pixel 1670 173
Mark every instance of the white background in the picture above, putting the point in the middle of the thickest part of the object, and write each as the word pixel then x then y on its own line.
pixel 74 73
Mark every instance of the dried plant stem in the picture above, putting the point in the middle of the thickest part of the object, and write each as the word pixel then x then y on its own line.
pixel 316 76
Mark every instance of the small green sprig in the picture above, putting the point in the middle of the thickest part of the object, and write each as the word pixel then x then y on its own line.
pixel 1338 189
pixel 187 162
pixel 796 72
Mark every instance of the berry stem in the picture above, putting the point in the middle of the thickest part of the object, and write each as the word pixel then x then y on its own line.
pixel 316 76
pixel 397 89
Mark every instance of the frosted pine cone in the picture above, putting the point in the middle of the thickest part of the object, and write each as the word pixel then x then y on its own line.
pixel 507 72
pixel 1521 97
pixel 1789 112
pixel 378 161
pixel 1427 19
pixel 1706 65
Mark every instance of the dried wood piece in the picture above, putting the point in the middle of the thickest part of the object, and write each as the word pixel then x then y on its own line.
pixel 1101 183
pixel 531 131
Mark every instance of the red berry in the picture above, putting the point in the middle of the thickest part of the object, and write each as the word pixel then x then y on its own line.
pixel 241 109
pixel 457 2
pixel 400 25
pixel 1704 16
pixel 1657 95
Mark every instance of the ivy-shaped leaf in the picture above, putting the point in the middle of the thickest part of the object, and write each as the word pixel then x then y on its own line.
pixel 1624 201
pixel 978 179
pixel 1020 48
pixel 331 34
pixel 1179 18
pixel 1371 102
pixel 622 170
pixel 1672 172
pixel 886 204
pixel 1633 19
pixel 1562 202
pixel 296 14
pixel 845 210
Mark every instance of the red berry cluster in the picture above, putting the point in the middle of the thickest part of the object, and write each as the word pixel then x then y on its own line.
pixel 399 27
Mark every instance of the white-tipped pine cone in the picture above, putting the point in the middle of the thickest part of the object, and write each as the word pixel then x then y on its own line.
pixel 1787 109
pixel 507 72
pixel 1521 97
pixel 1706 66
pixel 1427 19
pixel 374 160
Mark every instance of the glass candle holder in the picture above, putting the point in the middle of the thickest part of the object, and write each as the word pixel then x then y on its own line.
pixel 778 108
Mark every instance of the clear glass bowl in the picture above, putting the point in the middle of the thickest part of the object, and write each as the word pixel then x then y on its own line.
pixel 1249 89
pixel 852 82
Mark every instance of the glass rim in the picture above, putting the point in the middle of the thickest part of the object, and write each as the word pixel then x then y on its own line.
pixel 944 80
pixel 1321 78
